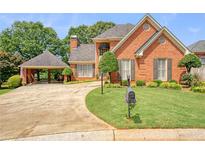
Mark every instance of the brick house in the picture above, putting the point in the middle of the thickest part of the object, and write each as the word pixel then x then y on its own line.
pixel 145 51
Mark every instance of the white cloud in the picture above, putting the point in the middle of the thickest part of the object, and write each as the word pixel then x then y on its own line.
pixel 194 29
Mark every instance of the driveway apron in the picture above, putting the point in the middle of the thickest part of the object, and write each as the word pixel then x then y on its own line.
pixel 44 109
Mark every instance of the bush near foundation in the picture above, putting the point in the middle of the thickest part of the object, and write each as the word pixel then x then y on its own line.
pixel 14 81
pixel 200 89
pixel 158 82
pixel 171 85
pixel 152 84
pixel 172 81
pixel 124 83
pixel 140 83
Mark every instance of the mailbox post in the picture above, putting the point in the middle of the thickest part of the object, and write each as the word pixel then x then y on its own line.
pixel 130 98
pixel 101 82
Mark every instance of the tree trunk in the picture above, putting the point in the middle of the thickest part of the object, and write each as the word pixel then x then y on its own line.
pixel 188 70
pixel 110 77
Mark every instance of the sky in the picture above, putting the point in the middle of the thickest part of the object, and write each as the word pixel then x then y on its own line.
pixel 189 28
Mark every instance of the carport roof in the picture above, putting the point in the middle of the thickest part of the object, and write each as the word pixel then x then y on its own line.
pixel 44 60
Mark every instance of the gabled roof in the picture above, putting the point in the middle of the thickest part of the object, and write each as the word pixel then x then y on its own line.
pixel 167 33
pixel 84 52
pixel 146 17
pixel 44 60
pixel 118 31
pixel 198 46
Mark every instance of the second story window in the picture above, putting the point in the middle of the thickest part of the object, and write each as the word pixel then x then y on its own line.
pixel 104 47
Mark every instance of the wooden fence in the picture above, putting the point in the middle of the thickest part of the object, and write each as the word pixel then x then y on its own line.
pixel 200 72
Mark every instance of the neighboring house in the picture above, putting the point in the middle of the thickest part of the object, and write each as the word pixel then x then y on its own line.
pixel 145 51
pixel 199 49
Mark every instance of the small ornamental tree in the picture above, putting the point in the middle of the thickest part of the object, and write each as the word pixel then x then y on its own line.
pixel 67 71
pixel 108 63
pixel 190 61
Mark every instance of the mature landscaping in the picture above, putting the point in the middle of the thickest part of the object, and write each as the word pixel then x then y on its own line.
pixel 156 108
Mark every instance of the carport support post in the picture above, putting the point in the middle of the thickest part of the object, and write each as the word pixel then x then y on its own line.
pixel 101 83
pixel 49 76
pixel 38 75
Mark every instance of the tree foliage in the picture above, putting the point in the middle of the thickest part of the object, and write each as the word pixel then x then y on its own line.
pixel 67 71
pixel 30 39
pixel 190 61
pixel 86 33
pixel 9 65
pixel 108 63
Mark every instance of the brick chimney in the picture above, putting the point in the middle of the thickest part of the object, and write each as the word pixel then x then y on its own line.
pixel 73 42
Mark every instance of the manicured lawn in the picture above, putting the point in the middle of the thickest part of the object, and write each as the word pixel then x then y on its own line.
pixel 156 108
pixel 3 91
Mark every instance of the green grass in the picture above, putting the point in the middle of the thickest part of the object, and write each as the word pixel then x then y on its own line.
pixel 3 91
pixel 156 108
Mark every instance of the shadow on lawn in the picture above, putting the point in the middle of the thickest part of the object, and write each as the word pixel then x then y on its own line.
pixel 136 118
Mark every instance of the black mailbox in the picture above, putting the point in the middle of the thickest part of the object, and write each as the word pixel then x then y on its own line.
pixel 130 96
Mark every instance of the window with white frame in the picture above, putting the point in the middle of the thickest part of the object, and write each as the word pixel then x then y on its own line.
pixel 203 60
pixel 85 70
pixel 125 69
pixel 162 69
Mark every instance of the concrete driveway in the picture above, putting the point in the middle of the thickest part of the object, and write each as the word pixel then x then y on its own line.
pixel 44 109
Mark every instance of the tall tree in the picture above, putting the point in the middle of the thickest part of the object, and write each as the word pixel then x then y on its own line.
pixel 86 33
pixel 29 39
pixel 9 65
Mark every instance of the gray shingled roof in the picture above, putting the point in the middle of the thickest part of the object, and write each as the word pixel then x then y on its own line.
pixel 117 31
pixel 44 59
pixel 84 52
pixel 198 46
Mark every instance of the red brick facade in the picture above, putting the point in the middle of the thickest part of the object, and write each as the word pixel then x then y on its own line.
pixel 144 64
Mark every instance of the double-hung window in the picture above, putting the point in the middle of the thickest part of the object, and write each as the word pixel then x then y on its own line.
pixel 162 69
pixel 85 70
pixel 125 69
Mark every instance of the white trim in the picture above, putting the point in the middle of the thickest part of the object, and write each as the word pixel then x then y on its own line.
pixel 146 17
pixel 168 34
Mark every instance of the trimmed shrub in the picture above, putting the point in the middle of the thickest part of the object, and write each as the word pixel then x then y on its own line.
pixel 111 85
pixel 140 83
pixel 171 85
pixel 187 78
pixel 200 89
pixel 202 84
pixel 14 81
pixel 164 85
pixel 174 86
pixel 158 82
pixel 172 81
pixel 152 84
pixel 124 83
pixel 67 71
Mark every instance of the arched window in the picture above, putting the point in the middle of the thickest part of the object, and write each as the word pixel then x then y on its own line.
pixel 104 47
